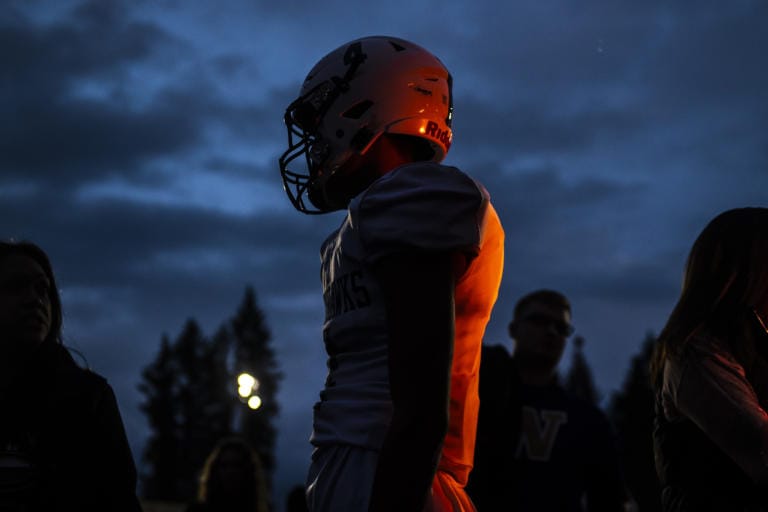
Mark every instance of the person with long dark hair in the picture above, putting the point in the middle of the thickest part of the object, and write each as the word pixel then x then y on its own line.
pixel 232 480
pixel 710 372
pixel 62 441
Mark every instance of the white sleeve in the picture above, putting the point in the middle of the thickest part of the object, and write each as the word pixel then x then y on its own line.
pixel 714 393
pixel 422 206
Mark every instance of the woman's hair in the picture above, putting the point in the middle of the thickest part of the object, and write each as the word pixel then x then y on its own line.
pixel 253 496
pixel 726 276
pixel 34 252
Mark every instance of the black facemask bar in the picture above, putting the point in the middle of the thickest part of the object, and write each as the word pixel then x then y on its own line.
pixel 302 117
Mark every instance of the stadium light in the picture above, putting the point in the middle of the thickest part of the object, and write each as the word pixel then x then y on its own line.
pixel 254 402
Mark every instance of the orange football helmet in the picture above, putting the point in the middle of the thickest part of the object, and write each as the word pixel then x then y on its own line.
pixel 353 95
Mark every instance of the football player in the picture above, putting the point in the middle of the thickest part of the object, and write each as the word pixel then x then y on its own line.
pixel 409 278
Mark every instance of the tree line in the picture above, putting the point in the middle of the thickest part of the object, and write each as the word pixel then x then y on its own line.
pixel 631 412
pixel 191 401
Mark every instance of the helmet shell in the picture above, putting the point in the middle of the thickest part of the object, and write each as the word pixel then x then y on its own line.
pixel 398 88
pixel 356 93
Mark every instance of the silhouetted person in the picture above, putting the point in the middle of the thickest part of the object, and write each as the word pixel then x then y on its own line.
pixel 409 279
pixel 232 480
pixel 540 448
pixel 62 441
pixel 710 373
pixel 297 500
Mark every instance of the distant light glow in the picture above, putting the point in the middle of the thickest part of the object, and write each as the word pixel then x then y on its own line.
pixel 246 380
pixel 254 402
pixel 247 384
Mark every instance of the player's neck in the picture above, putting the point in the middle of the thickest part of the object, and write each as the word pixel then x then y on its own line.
pixel 535 372
pixel 387 154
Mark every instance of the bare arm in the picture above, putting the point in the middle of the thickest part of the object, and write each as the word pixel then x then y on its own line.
pixel 418 289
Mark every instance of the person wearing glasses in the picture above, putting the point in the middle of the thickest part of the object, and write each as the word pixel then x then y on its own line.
pixel 539 447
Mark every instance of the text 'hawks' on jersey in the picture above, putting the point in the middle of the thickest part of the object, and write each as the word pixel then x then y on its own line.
pixel 345 293
pixel 416 207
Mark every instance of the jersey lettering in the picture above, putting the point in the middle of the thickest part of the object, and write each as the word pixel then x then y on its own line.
pixel 538 433
pixel 346 293
pixel 359 290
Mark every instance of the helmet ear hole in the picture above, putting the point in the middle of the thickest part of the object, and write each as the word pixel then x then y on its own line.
pixel 361 139
pixel 423 150
pixel 420 149
pixel 357 110
pixel 305 116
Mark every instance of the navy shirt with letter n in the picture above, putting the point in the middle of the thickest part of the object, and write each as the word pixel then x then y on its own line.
pixel 540 448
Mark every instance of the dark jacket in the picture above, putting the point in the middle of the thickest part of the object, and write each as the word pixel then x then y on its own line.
pixel 695 475
pixel 540 448
pixel 62 440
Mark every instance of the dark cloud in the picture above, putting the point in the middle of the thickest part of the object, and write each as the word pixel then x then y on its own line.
pixel 255 124
pixel 524 129
pixel 112 241
pixel 643 282
pixel 712 57
pixel 54 132
pixel 236 168
pixel 58 134
pixel 96 39
pixel 230 65
pixel 555 83
pixel 528 198
pixel 77 140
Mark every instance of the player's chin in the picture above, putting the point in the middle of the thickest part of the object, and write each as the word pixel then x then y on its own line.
pixel 334 192
pixel 326 199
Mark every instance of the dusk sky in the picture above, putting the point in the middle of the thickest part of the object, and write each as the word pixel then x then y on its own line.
pixel 139 144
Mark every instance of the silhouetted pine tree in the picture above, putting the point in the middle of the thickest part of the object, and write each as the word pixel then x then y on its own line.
pixel 188 410
pixel 219 383
pixel 159 386
pixel 190 399
pixel 579 379
pixel 195 388
pixel 632 413
pixel 254 354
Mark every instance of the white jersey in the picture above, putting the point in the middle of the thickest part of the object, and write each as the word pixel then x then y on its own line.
pixel 416 207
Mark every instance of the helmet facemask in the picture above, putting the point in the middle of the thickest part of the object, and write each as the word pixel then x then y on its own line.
pixel 303 118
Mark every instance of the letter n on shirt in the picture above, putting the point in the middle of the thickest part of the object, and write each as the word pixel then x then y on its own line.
pixel 538 433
